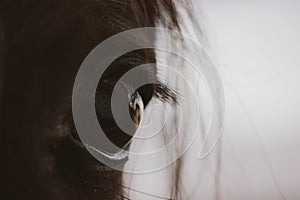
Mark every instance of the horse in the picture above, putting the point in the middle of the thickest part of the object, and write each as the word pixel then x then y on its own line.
pixel 43 44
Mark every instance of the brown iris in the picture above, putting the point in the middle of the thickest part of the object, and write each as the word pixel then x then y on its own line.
pixel 135 109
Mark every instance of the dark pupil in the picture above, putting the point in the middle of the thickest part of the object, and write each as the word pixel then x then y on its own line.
pixel 106 118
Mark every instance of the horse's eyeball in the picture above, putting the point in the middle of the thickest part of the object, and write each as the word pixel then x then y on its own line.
pixel 136 107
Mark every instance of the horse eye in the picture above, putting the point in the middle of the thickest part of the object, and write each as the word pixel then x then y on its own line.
pixel 135 107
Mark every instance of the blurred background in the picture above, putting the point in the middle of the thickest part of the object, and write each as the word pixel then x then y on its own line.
pixel 257 45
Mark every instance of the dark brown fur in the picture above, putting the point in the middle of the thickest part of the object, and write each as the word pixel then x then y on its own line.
pixel 43 43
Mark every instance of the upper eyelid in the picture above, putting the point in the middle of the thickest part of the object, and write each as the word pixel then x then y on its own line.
pixel 112 83
pixel 128 88
pixel 161 91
